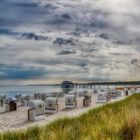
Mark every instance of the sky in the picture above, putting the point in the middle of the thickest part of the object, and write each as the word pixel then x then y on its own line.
pixel 48 41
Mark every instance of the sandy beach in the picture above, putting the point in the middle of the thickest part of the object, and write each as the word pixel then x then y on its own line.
pixel 18 119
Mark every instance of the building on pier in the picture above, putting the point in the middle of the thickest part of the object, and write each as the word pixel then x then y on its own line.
pixel 67 86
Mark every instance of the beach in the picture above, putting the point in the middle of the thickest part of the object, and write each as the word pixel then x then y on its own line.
pixel 18 119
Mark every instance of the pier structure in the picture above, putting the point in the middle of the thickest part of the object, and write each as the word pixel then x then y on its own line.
pixel 99 85
pixel 94 85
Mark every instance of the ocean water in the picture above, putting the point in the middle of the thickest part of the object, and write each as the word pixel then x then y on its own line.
pixel 27 90
pixel 30 90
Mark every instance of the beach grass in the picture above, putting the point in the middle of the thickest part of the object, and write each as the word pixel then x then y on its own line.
pixel 114 121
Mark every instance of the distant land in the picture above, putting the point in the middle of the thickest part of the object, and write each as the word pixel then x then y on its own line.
pixel 94 83
pixel 44 85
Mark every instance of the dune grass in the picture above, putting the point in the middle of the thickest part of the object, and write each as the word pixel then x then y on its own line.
pixel 114 121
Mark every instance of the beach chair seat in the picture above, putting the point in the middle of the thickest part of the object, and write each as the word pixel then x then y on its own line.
pixel 43 97
pixel 120 93
pixel 87 100
pixel 1 101
pixel 83 93
pixel 113 94
pixel 70 101
pixel 51 105
pixel 10 105
pixel 36 109
pixel 102 97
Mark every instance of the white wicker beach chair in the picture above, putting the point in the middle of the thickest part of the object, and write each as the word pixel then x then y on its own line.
pixel 70 101
pixel 51 105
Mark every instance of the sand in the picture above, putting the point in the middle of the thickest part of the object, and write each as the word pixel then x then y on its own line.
pixel 18 119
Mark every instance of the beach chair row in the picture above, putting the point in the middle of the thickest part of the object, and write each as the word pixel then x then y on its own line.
pixel 39 107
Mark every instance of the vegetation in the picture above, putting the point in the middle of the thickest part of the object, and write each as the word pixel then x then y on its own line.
pixel 114 121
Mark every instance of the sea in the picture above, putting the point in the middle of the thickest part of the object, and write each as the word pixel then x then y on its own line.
pixel 13 90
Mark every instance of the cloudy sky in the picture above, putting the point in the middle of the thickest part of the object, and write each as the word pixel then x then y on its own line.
pixel 47 41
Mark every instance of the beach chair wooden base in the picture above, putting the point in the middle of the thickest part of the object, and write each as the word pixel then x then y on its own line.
pixel 33 117
pixel 51 111
pixel 70 106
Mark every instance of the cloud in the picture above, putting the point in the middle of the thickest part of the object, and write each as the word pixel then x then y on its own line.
pixel 82 64
pixel 66 16
pixel 78 40
pixel 135 62
pixel 104 36
pixel 19 72
pixel 51 6
pixel 33 36
pixel 67 52
pixel 24 4
pixel 62 41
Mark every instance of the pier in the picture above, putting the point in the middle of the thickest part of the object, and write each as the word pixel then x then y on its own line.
pixel 95 85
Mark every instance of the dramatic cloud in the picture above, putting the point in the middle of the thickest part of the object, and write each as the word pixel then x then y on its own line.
pixel 19 72
pixel 66 52
pixel 82 40
pixel 33 36
pixel 61 41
